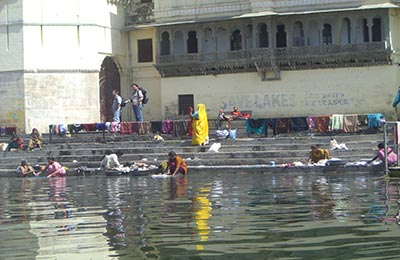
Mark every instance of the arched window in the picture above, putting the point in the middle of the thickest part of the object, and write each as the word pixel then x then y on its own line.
pixel 376 30
pixel 236 40
pixel 249 36
pixel 179 46
pixel 165 44
pixel 192 42
pixel 222 40
pixel 345 31
pixel 298 34
pixel 262 36
pixel 281 41
pixel 327 34
pixel 208 45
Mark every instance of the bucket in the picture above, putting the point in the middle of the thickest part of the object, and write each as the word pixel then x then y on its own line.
pixel 272 163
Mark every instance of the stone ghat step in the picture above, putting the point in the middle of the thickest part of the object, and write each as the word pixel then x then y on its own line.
pixel 353 142
pixel 243 151
pixel 238 146
pixel 99 136
pixel 142 140
pixel 224 150
pixel 134 148
pixel 191 158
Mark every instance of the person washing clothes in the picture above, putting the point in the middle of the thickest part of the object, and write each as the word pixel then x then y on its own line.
pixel 391 155
pixel 317 154
pixel 176 165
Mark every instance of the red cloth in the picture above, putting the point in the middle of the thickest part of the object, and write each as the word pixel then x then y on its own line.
pixel 89 127
pixel 126 128
pixel 322 123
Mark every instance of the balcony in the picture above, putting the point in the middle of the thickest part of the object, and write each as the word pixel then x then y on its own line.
pixel 275 59
pixel 140 13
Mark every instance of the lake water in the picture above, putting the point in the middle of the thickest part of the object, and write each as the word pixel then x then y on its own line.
pixel 204 216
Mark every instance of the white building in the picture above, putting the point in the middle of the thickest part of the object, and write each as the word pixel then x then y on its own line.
pixel 53 60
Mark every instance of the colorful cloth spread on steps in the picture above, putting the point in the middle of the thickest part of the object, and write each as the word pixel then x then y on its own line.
pixel 126 128
pixel 167 126
pixel 298 124
pixel 322 123
pixel 351 123
pixel 336 122
pixel 282 125
pixel 256 126
pixel 375 120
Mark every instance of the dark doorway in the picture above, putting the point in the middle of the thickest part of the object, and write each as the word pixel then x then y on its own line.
pixel 281 41
pixel 236 41
pixel 184 102
pixel 376 30
pixel 109 79
pixel 327 34
pixel 192 42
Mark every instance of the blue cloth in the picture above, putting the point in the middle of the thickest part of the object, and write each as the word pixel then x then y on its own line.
pixel 396 101
pixel 256 126
pixel 101 126
pixel 374 120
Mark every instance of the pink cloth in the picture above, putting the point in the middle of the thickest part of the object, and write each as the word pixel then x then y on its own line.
pixel 391 157
pixel 54 167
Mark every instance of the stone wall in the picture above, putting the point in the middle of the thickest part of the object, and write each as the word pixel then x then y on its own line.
pixel 12 103
pixel 63 97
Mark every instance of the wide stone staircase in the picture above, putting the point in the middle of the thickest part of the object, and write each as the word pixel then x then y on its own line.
pixel 88 148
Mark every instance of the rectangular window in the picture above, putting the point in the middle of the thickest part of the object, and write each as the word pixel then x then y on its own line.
pixel 145 50
pixel 184 102
pixel 146 1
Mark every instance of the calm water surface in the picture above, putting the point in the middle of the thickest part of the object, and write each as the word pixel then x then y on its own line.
pixel 204 216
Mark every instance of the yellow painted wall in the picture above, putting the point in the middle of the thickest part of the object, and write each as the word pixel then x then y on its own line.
pixel 298 93
pixel 145 75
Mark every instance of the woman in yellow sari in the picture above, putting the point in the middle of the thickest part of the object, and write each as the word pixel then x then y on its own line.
pixel 199 125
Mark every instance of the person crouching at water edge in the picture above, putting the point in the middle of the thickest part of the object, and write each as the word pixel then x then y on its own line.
pixel 26 170
pixel 199 125
pixel 54 169
pixel 391 155
pixel 111 161
pixel 317 154
pixel 176 165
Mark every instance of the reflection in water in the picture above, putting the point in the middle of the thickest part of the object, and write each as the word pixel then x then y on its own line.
pixel 202 209
pixel 201 216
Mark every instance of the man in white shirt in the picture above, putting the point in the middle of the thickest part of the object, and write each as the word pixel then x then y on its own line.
pixel 116 106
pixel 137 105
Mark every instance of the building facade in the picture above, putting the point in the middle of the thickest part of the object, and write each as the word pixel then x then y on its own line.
pixel 60 60
pixel 275 58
